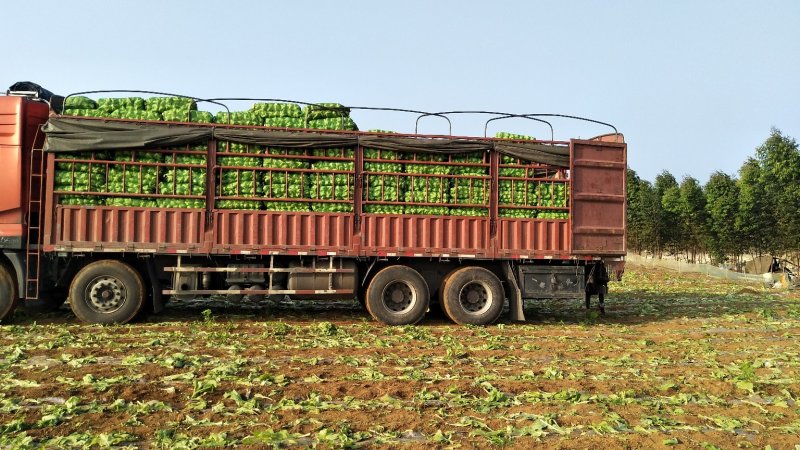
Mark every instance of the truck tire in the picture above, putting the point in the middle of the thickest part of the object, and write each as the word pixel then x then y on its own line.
pixel 8 294
pixel 107 291
pixel 398 295
pixel 472 295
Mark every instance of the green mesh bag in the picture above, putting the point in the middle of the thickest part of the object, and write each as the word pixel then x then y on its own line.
pixel 134 114
pixel 176 115
pixel 238 118
pixel 382 184
pixel 162 104
pixel 79 102
pixel 183 180
pixel 266 110
pixel 333 123
pixel 242 182
pixel 79 177
pixel 124 103
pixel 325 111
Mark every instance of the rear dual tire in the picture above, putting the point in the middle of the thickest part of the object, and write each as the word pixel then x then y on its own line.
pixel 398 295
pixel 472 296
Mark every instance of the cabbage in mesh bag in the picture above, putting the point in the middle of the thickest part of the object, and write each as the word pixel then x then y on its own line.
pixel 427 189
pixel 140 202
pixel 182 180
pixel 134 114
pixel 266 110
pixel 552 195
pixel 325 111
pixel 124 103
pixel 284 122
pixel 512 193
pixel 333 123
pixel 133 178
pixel 79 102
pixel 238 118
pixel 286 184
pixel 383 185
pixel 177 115
pixel 517 137
pixel 161 104
pixel 85 113
pixel 467 189
pixel 78 177
pixel 333 186
pixel 242 182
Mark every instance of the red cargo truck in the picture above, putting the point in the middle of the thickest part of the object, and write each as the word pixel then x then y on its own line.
pixel 398 254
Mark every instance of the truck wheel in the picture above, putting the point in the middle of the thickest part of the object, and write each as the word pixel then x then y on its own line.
pixel 472 295
pixel 8 294
pixel 398 295
pixel 107 291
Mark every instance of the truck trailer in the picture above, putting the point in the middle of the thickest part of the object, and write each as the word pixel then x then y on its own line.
pixel 117 216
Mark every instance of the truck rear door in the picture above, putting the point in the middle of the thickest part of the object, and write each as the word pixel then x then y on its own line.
pixel 598 174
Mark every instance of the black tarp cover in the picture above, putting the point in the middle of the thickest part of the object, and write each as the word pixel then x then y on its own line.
pixel 75 135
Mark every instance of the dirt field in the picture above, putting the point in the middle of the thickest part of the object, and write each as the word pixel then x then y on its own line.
pixel 679 360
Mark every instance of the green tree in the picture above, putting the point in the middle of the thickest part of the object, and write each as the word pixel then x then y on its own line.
pixel 722 207
pixel 642 205
pixel 755 220
pixel 693 216
pixel 667 226
pixel 779 158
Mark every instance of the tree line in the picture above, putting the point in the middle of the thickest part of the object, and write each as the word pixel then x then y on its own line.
pixel 756 212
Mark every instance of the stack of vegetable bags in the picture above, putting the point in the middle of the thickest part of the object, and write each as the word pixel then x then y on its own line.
pixel 178 109
pixel 238 118
pixel 162 104
pixel 76 177
pixel 175 115
pixel 80 106
pixel 131 108
pixel 279 115
pixel 513 192
pixel 329 116
pixel 327 185
pixel 467 189
pixel 239 182
pixel 385 181
pixel 184 180
pixel 133 178
pixel 280 184
pixel 425 189
pixel 553 194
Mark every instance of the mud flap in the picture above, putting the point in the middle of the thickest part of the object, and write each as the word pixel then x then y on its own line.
pixel 155 287
pixel 514 294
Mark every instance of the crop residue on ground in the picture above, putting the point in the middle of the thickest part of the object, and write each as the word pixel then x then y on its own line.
pixel 679 360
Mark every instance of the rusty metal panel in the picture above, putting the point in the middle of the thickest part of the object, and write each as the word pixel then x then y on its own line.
pixel 426 235
pixel 533 238
pixel 598 198
pixel 267 230
pixel 11 160
pixel 19 121
pixel 128 227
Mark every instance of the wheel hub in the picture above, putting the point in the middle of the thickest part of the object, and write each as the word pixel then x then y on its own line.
pixel 399 297
pixel 475 297
pixel 105 294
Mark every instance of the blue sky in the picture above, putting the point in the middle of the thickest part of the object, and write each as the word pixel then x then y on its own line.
pixel 694 86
